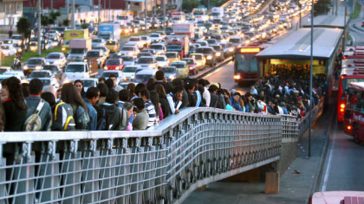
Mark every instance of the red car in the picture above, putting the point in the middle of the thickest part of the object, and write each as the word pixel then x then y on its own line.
pixel 114 64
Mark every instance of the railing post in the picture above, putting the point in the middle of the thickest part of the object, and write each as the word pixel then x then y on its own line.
pixel 3 190
pixel 107 172
pixel 90 175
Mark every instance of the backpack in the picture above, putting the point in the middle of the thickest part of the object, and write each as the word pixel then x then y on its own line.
pixel 81 118
pixel 60 123
pixel 34 121
pixel 109 117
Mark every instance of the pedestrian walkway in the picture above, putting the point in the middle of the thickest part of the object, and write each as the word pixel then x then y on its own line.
pixel 297 183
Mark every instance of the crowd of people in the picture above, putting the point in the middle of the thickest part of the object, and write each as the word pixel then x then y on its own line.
pixel 26 107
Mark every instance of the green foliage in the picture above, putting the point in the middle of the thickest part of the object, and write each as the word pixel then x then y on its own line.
pixel 356 11
pixel 322 7
pixel 8 61
pixel 84 26
pixel 45 20
pixel 188 5
pixel 66 22
pixel 23 27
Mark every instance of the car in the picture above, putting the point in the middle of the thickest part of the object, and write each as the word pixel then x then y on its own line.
pixel 170 72
pixel 199 59
pixel 146 61
pixel 50 84
pixel 17 39
pixel 18 48
pixel 76 70
pixel 56 58
pixel 182 69
pixel 135 41
pixel 144 75
pixel 129 72
pixel 91 82
pixel 98 42
pixel 119 74
pixel 114 64
pixel 104 51
pixel 235 41
pixel 40 74
pixel 155 37
pixel 145 54
pixel 172 56
pixel 162 60
pixel 219 52
pixel 12 73
pixel 146 40
pixel 192 65
pixel 129 51
pixel 33 46
pixel 7 50
pixel 96 55
pixel 209 54
pixel 128 60
pixel 112 45
pixel 34 63
pixel 159 48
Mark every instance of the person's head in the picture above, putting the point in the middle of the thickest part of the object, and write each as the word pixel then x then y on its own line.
pixel 112 97
pixel 109 83
pixel 236 96
pixel 159 76
pixel 131 89
pixel 160 90
pixel 114 79
pixel 71 96
pixel 139 87
pixel 178 93
pixel 25 89
pixel 101 80
pixel 4 91
pixel 144 94
pixel 104 90
pixel 93 95
pixel 49 97
pixel 139 104
pixel 58 93
pixel 190 86
pixel 129 108
pixel 35 87
pixel 151 84
pixel 124 95
pixel 213 88
pixel 79 86
pixel 12 89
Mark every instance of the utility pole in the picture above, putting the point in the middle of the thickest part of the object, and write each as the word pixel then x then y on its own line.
pixel 73 14
pixel 145 14
pixel 111 20
pixel 52 6
pixel 67 9
pixel 311 73
pixel 345 14
pixel 99 20
pixel 40 27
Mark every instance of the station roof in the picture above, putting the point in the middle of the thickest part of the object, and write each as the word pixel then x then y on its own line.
pixel 328 21
pixel 296 45
pixel 357 85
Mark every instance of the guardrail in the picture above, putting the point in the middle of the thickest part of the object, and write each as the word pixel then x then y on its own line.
pixel 164 164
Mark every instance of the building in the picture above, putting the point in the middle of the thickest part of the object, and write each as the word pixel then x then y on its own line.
pixel 10 12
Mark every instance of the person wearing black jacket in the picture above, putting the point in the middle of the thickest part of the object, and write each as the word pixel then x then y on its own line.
pixel 163 100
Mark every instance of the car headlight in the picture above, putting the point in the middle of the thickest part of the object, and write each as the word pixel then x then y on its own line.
pixel 25 67
pixel 218 54
pixel 209 57
pixel 231 49
pixel 105 67
pixel 38 67
pixel 171 77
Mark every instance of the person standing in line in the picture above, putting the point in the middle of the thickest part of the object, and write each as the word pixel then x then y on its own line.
pixel 92 98
pixel 141 119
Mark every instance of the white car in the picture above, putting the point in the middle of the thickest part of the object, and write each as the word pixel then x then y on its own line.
pixel 162 61
pixel 117 73
pixel 135 41
pixel 129 73
pixel 155 37
pixel 91 82
pixel 144 75
pixel 159 48
pixel 146 61
pixel 7 50
pixel 50 85
pixel 146 40
pixel 56 58
pixel 128 60
pixel 129 51
pixel 76 70
pixel 17 39
pixel 40 74
pixel 98 42
pixel 10 73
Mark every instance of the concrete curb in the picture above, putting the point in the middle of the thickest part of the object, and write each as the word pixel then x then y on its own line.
pixel 211 69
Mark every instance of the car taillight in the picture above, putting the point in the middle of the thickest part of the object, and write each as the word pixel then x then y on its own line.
pixel 349 127
pixel 342 107
pixel 236 76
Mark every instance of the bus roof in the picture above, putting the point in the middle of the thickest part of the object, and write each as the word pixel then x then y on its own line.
pixel 328 21
pixel 297 44
pixel 358 86
pixel 335 197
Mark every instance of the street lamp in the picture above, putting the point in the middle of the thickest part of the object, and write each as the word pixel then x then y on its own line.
pixel 311 68
pixel 344 28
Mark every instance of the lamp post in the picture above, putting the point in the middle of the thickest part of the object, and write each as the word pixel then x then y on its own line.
pixel 311 69
pixel 344 28
pixel 39 27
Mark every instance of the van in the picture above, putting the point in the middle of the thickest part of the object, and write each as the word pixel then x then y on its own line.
pixel 76 70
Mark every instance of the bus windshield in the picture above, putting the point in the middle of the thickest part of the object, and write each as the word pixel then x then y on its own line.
pixel 246 63
pixel 346 82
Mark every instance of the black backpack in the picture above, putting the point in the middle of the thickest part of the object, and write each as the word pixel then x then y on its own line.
pixel 109 117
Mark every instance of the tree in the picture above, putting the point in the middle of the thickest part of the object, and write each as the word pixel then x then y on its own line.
pixel 322 7
pixel 23 27
pixel 66 22
pixel 188 5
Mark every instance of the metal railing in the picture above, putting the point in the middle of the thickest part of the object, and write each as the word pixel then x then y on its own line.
pixel 161 165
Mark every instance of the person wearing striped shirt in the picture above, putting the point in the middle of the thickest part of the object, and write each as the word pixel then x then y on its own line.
pixel 149 107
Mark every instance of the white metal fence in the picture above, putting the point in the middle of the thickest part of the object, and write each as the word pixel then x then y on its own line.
pixel 161 165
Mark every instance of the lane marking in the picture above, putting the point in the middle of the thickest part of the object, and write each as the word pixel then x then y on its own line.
pixel 329 162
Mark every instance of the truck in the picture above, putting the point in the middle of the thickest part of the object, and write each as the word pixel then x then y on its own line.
pixel 184 29
pixel 73 34
pixel 109 31
pixel 78 49
pixel 178 43
pixel 217 12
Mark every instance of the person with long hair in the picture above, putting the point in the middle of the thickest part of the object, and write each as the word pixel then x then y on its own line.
pixel 163 100
pixel 14 104
pixel 80 87
pixel 73 97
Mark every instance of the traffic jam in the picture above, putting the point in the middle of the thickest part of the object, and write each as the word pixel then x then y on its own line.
pixel 191 44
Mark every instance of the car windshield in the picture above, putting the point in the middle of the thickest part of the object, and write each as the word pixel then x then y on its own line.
pixel 171 55
pixel 107 74
pixel 211 41
pixel 33 43
pixel 174 47
pixel 77 51
pixel 122 17
pixel 234 40
pixel 89 83
pixel 96 40
pixel 51 68
pixel 145 60
pixel 4 47
pixel 16 37
pixel 35 61
pixel 54 56
pixel 93 54
pixel 39 74
pixel 178 65
pixel 143 77
pixel 198 57
pixel 134 39
pixel 169 70
pixel 127 59
pixel 129 69
pixel 156 47
pixel 112 62
pixel 46 82
pixel 154 35
pixel 75 68
pixel 189 61
pixel 110 43
pixel 127 49
pixel 160 59
pixel 204 50
pixel 217 48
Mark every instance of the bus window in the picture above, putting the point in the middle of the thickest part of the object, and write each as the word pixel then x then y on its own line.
pixel 246 63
